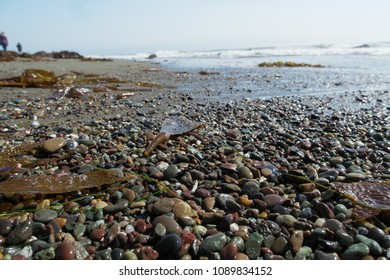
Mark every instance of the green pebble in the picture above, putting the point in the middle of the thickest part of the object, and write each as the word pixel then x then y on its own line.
pixel 99 215
pixel 305 204
pixel 356 252
pixel 340 208
pixel 375 248
pixel 130 255
pixel 239 242
pixel 7 257
pixel 257 236
pixel 79 231
pixel 252 248
pixel 47 254
pixel 303 253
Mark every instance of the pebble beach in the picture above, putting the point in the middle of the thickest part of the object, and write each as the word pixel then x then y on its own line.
pixel 252 179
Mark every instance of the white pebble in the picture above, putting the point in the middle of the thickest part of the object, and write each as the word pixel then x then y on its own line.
pixel 233 227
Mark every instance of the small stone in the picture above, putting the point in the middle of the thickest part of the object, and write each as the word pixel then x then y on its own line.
pixel 303 253
pixel 375 248
pixel 356 252
pixel 20 233
pixel 334 225
pixel 45 215
pixel 320 255
pixel 252 248
pixel 182 209
pixel 213 243
pixel 229 252
pixel 120 206
pixel 129 255
pixel 168 246
pixel 340 208
pixel 80 251
pixel 140 226
pixel 97 234
pixel 355 177
pixel 163 206
pixel 208 203
pixel 280 246
pixel 286 220
pixel 272 200
pixel 296 240
pixel 171 172
pixel 54 144
pixel 5 226
pixel 79 231
pixel 169 223
pixel 245 172
pixel 65 251
pixel 148 253
pixel 250 189
pixel 323 210
pixel 344 238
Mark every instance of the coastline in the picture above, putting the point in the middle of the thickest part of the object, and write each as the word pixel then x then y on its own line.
pixel 227 177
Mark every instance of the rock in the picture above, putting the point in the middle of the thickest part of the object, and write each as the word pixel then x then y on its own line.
pixel 53 145
pixel 280 246
pixel 356 252
pixel 168 246
pixel 208 203
pixel 163 206
pixel 169 223
pixel 303 253
pixel 272 200
pixel 65 251
pixel 245 172
pixel 375 248
pixel 171 172
pixel 213 243
pixel 20 233
pixel 97 234
pixel 355 177
pixel 115 208
pixel 296 240
pixel 229 252
pixel 320 255
pixel 250 189
pixel 344 238
pixel 286 220
pixel 252 248
pixel 182 209
pixel 334 225
pixel 5 226
pixel 323 210
pixel 45 215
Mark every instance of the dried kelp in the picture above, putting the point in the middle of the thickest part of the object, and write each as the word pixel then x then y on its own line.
pixel 36 184
pixel 43 79
pixel 19 155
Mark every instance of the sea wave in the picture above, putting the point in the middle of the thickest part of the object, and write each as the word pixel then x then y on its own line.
pixel 314 50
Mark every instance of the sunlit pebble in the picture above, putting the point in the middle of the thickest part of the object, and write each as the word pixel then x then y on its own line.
pixel 233 227
pixel 35 123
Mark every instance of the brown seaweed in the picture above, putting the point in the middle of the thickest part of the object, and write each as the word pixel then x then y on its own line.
pixel 36 184
pixel 288 64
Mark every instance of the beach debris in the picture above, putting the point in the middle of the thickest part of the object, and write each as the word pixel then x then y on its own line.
pixel 205 73
pixel 172 125
pixel 371 197
pixel 124 95
pixel 46 79
pixel 38 184
pixel 288 64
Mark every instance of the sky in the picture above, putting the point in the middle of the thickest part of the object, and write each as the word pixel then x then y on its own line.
pixel 104 27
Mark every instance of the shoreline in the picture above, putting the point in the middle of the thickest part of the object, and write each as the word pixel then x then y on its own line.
pixel 225 191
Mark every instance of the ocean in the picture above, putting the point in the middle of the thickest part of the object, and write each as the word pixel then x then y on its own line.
pixel 347 69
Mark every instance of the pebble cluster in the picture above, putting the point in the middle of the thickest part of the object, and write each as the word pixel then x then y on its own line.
pixel 214 193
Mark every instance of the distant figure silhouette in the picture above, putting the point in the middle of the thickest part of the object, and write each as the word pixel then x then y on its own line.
pixel 19 47
pixel 3 41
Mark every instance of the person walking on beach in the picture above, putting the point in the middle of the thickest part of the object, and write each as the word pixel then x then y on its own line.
pixel 3 41
pixel 19 47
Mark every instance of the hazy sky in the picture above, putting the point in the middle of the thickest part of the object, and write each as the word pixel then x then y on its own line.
pixel 130 26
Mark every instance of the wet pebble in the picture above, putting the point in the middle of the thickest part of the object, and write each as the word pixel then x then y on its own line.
pixel 45 215
pixel 169 223
pixel 65 251
pixel 168 246
pixel 356 252
pixel 20 233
